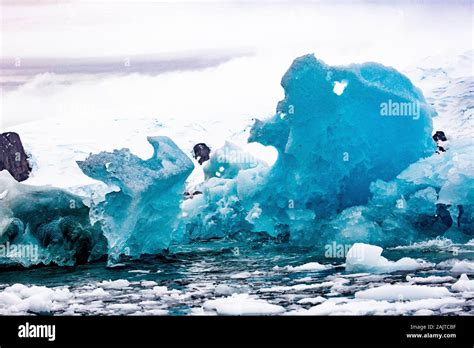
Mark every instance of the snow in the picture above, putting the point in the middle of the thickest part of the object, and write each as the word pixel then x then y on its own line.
pixel 242 304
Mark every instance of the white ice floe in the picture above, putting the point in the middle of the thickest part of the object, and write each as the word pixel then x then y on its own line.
pixel 463 284
pixel 464 266
pixel 398 292
pixel 241 275
pixel 21 299
pixel 368 258
pixel 244 275
pixel 429 280
pixel 242 304
pixel 345 306
pixel 224 289
pixel 139 271
pixel 115 284
pixel 312 300
pixel 297 287
pixel 124 308
pixel 153 312
pixel 160 290
pixel 307 267
pixel 96 293
pixel 148 283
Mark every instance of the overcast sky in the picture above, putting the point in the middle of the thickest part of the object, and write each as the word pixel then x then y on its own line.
pixel 244 47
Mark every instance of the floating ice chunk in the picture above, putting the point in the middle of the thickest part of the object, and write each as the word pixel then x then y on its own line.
pixel 224 289
pixel 154 312
pixel 464 266
pixel 312 300
pixel 463 284
pixel 148 283
pixel 397 292
pixel 9 299
pixel 297 287
pixel 21 299
pixel 124 308
pixel 242 304
pixel 114 284
pixel 96 293
pixel 160 290
pixel 424 312
pixel 372 307
pixel 241 275
pixel 429 280
pixel 307 267
pixel 367 258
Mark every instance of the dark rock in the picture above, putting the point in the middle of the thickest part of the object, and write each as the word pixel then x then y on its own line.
pixel 188 195
pixel 443 214
pixel 201 152
pixel 13 157
pixel 439 136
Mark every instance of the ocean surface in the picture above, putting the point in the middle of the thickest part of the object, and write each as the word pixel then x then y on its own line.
pixel 233 279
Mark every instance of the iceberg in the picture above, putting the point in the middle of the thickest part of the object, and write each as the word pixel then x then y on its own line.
pixel 143 216
pixel 368 258
pixel 356 163
pixel 43 225
pixel 228 160
pixel 332 142
pixel 334 139
pixel 337 131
